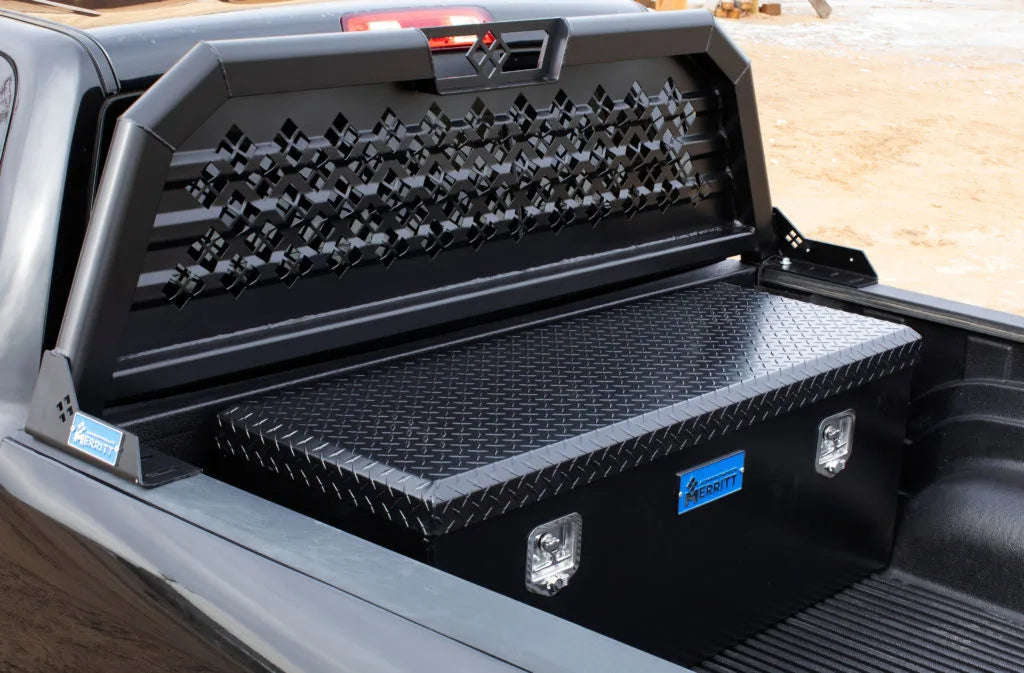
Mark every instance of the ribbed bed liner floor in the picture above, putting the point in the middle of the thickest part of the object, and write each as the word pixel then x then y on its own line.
pixel 882 624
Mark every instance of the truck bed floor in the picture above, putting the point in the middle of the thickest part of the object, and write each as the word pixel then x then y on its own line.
pixel 882 624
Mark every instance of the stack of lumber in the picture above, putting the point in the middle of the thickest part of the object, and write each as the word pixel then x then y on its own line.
pixel 735 9
pixel 665 5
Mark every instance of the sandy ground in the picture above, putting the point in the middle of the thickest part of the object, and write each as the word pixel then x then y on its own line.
pixel 899 128
pixel 894 126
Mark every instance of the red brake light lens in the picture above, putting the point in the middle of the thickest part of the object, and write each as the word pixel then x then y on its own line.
pixel 394 19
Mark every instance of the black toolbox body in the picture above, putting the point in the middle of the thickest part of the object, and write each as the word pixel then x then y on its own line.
pixel 454 456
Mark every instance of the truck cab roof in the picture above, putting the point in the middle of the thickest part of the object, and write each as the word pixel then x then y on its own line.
pixel 142 40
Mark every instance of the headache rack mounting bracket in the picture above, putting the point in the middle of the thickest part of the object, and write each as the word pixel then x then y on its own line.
pixel 54 417
pixel 816 259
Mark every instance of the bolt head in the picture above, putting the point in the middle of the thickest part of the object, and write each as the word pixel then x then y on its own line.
pixel 836 467
pixel 549 542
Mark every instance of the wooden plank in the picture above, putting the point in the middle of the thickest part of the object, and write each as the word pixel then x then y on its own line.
pixel 822 7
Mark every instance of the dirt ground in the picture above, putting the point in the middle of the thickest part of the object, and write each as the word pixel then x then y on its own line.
pixel 900 130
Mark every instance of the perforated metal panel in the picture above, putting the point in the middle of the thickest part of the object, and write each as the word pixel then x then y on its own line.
pixel 438 441
pixel 333 199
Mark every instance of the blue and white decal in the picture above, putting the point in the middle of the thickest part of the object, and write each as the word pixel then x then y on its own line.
pixel 95 438
pixel 710 481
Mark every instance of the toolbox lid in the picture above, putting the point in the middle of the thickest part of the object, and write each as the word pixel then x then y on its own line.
pixel 280 200
pixel 440 440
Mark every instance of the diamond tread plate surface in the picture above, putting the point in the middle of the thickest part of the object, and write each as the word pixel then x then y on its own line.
pixel 440 440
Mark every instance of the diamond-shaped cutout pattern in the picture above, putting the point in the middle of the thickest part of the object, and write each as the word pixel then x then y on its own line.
pixel 488 55
pixel 65 410
pixel 305 201
pixel 240 275
pixel 208 250
pixel 183 286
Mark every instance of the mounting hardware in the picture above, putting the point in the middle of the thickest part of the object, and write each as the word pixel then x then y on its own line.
pixel 553 554
pixel 549 543
pixel 835 443
pixel 55 418
pixel 816 259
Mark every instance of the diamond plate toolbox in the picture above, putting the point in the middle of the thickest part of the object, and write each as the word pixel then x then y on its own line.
pixel 441 440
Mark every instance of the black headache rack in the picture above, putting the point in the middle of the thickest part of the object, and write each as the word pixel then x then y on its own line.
pixel 270 201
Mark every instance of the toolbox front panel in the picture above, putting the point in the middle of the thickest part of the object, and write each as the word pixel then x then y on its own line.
pixel 684 586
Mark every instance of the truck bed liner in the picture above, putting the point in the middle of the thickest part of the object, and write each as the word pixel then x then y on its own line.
pixel 883 623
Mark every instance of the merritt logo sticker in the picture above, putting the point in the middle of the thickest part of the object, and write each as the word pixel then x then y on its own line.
pixel 710 481
pixel 95 438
